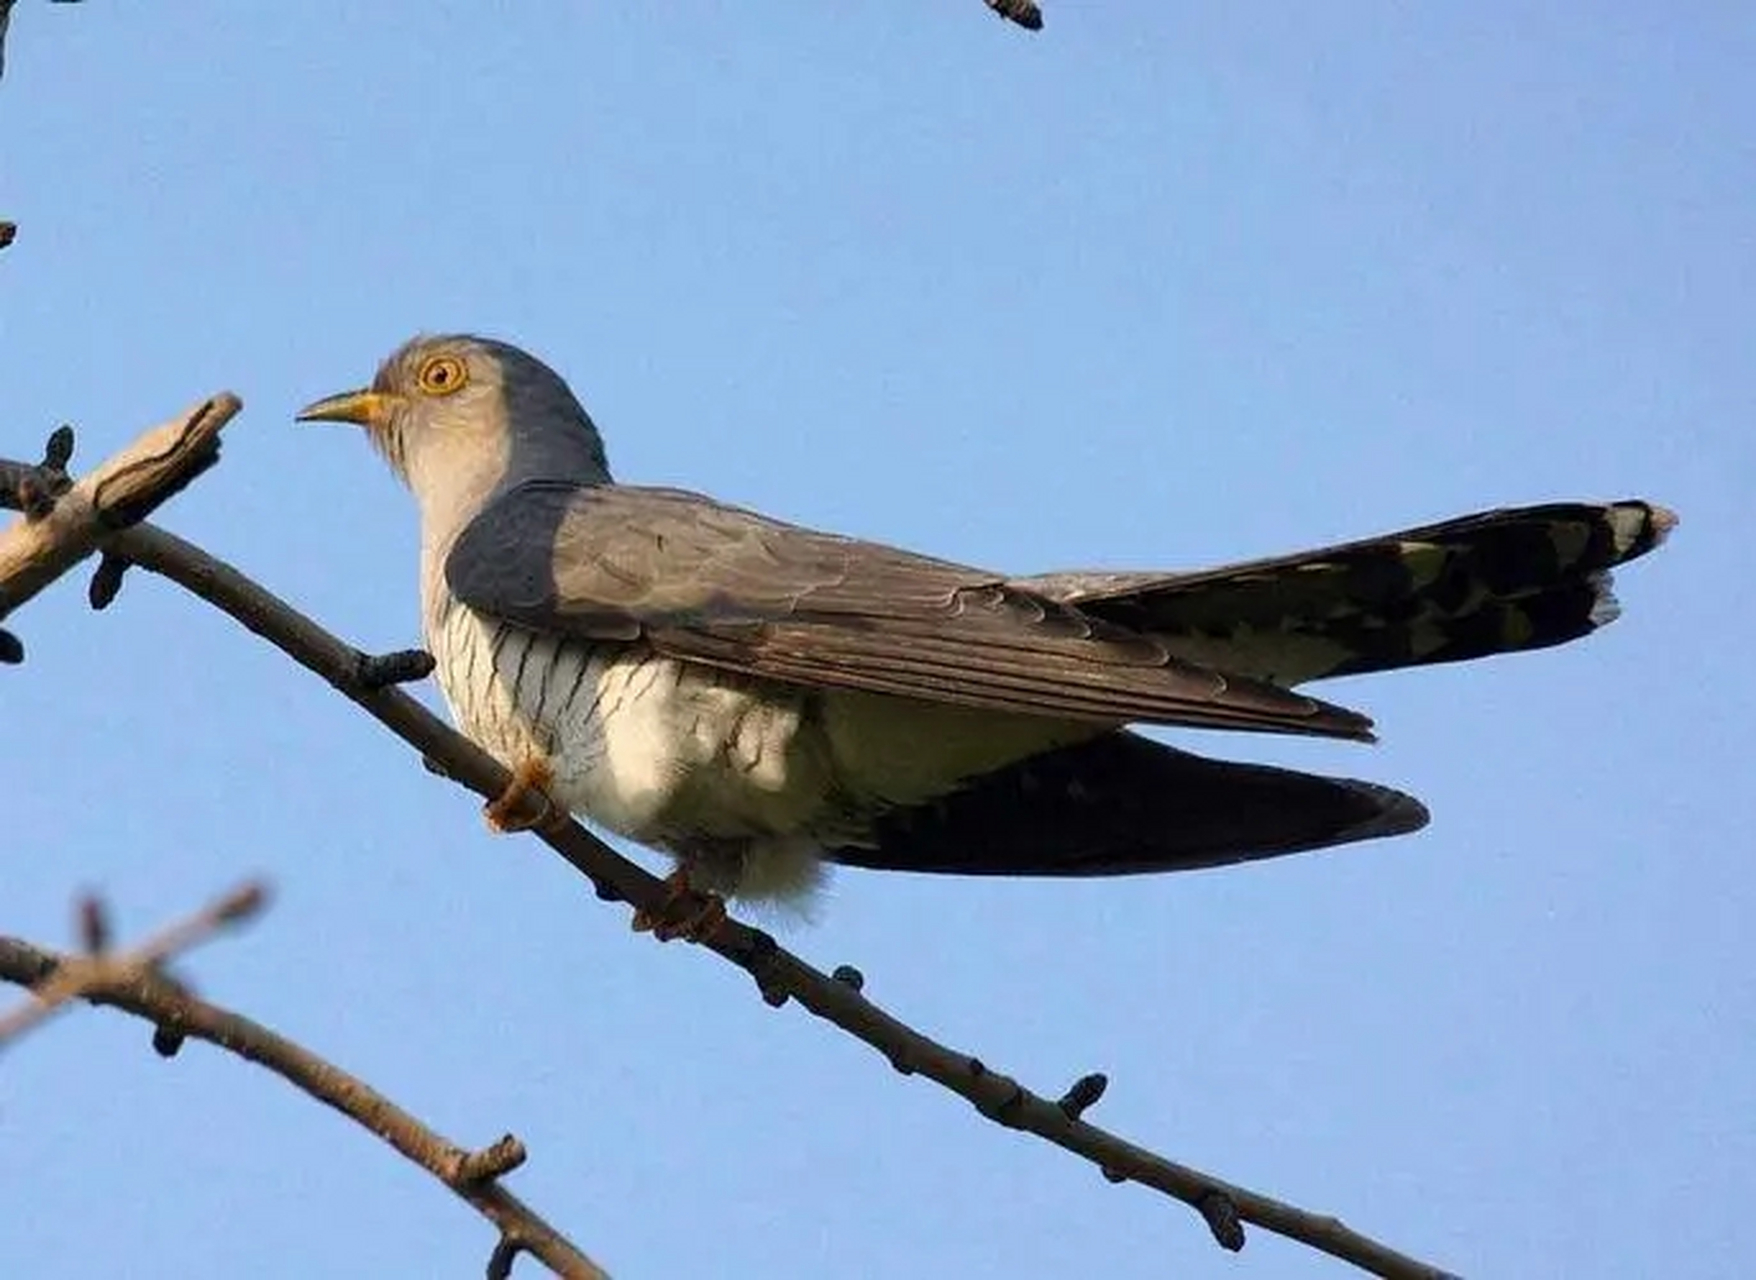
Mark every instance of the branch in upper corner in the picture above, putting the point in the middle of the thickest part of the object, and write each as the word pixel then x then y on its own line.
pixel 1024 12
pixel 136 983
pixel 779 975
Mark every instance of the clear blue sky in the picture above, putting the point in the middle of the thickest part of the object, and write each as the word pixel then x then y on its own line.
pixel 1165 285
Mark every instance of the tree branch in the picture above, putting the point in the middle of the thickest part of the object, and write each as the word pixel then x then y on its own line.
pixel 136 983
pixel 63 524
pixel 74 976
pixel 779 975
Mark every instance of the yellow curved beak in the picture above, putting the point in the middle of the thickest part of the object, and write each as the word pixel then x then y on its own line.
pixel 362 407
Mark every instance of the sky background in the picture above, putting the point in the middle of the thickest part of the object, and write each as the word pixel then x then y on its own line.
pixel 1162 286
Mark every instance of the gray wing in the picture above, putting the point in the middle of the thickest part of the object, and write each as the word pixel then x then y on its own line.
pixel 698 580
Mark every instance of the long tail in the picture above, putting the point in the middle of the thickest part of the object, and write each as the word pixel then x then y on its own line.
pixel 1123 804
pixel 1496 582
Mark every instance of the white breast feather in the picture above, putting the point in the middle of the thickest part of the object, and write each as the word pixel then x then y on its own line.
pixel 643 745
pixel 673 754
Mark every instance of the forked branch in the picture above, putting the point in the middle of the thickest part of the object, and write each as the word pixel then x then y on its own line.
pixel 135 981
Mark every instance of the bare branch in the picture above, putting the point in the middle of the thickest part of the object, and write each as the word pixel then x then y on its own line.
pixel 76 975
pixel 33 490
pixel 135 983
pixel 778 973
pixel 59 529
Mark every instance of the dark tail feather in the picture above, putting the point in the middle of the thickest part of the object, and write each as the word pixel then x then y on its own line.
pixel 1123 804
pixel 1496 582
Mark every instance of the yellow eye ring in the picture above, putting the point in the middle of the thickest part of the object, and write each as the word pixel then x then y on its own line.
pixel 442 375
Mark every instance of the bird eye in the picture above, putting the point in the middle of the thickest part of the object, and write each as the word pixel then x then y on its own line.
pixel 441 375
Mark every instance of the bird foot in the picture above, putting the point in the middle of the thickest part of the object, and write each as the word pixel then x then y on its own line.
pixel 532 777
pixel 691 914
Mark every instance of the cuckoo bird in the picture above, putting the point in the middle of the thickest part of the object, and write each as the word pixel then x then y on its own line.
pixel 757 699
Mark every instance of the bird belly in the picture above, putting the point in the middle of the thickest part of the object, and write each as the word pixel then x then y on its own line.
pixel 663 752
pixel 744 780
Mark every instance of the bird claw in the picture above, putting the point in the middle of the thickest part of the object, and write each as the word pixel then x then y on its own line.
pixel 532 776
pixel 687 913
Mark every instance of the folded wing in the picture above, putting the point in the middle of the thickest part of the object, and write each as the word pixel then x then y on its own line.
pixel 715 584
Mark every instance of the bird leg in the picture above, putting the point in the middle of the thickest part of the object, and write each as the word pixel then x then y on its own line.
pixel 688 913
pixel 532 776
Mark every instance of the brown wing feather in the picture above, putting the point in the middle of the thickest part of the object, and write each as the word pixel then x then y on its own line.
pixel 727 587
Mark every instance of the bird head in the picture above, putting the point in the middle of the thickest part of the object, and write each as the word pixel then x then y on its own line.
pixel 461 418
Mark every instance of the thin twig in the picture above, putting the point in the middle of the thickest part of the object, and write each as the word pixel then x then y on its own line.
pixel 135 983
pixel 77 974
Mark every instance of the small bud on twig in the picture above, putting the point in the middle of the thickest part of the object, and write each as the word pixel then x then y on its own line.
pixel 1222 1219
pixel 403 666
pixel 94 925
pixel 493 1161
pixel 1083 1093
pixel 106 579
